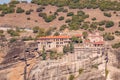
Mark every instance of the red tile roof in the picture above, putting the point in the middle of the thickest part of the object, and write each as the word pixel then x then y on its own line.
pixel 99 42
pixel 54 37
pixel 78 35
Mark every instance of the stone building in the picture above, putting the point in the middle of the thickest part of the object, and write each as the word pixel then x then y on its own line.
pixel 51 42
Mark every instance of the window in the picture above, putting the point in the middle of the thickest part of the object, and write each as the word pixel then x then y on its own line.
pixel 57 42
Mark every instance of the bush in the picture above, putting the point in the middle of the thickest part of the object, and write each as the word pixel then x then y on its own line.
pixel 56 34
pixel 76 40
pixel 80 13
pixel 116 45
pixel 61 18
pixel 40 9
pixel 101 23
pixel 94 19
pixel 68 21
pixel 28 18
pixel 36 29
pixel 27 38
pixel 101 28
pixel 14 2
pixel 50 18
pixel 107 14
pixel 13 40
pixel 28 12
pixel 117 33
pixel 20 10
pixel 60 9
pixel 71 77
pixel 65 10
pixel 85 26
pixel 63 27
pixel 108 37
pixel 13 32
pixel 81 70
pixel 1 32
pixel 70 14
pixel 109 24
pixel 43 15
pixel 93 25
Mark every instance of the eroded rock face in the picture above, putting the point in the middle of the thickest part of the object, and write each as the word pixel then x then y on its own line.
pixel 94 75
pixel 3 76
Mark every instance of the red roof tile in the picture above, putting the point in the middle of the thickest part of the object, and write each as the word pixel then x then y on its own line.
pixel 100 42
pixel 78 35
pixel 54 37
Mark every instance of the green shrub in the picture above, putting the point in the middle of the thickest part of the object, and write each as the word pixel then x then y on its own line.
pixel 36 29
pixel 71 77
pixel 102 23
pixel 116 45
pixel 60 9
pixel 117 33
pixel 61 18
pixel 27 38
pixel 76 40
pixel 93 25
pixel 108 37
pixel 20 10
pixel 65 10
pixel 28 12
pixel 101 29
pixel 13 40
pixel 107 14
pixel 70 14
pixel 109 24
pixel 56 34
pixel 68 21
pixel 93 18
pixel 13 32
pixel 28 18
pixel 63 27
pixel 1 32
pixel 84 26
pixel 50 18
pixel 43 15
pixel 40 9
pixel 14 2
pixel 80 13
pixel 81 70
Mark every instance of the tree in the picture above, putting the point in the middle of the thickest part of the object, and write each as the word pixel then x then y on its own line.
pixel 13 40
pixel 13 32
pixel 56 34
pixel 63 27
pixel 108 37
pixel 70 14
pixel 109 24
pixel 66 49
pixel 20 10
pixel 36 29
pixel 71 77
pixel 107 14
pixel 28 12
pixel 1 32
pixel 85 34
pixel 101 28
pixel 71 47
pixel 43 53
pixel 61 18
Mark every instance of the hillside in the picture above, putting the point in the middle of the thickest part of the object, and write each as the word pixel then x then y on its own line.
pixel 82 37
pixel 33 19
